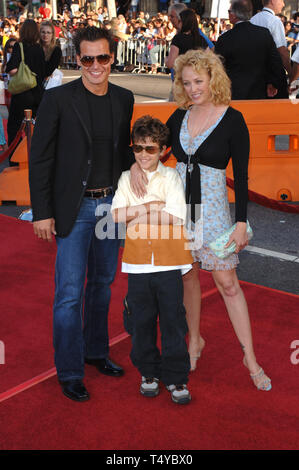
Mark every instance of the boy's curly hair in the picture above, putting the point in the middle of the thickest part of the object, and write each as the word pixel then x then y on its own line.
pixel 148 126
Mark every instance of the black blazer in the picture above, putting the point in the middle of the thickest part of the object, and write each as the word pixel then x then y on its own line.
pixel 251 61
pixel 61 151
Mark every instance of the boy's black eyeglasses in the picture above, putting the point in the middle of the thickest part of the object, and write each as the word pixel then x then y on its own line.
pixel 88 60
pixel 151 149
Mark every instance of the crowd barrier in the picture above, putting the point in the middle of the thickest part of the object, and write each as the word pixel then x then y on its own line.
pixel 14 180
pixel 134 55
pixel 68 58
pixel 273 173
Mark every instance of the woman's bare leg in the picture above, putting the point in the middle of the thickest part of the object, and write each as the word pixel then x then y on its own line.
pixel 192 302
pixel 229 287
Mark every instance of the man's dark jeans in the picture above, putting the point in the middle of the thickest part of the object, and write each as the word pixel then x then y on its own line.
pixel 82 253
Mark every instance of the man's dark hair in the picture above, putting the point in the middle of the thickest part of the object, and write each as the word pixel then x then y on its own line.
pixel 296 17
pixel 147 126
pixel 242 9
pixel 91 34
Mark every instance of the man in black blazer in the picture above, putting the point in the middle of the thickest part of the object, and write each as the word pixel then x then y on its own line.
pixel 80 147
pixel 250 56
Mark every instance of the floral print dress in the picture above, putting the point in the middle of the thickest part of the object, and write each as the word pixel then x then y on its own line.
pixel 215 214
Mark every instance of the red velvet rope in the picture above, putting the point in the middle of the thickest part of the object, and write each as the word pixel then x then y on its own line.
pixel 255 197
pixel 13 145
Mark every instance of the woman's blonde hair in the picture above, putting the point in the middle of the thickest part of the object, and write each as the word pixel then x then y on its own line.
pixel 202 60
pixel 51 47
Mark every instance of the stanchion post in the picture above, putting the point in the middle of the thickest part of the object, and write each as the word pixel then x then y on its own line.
pixel 28 129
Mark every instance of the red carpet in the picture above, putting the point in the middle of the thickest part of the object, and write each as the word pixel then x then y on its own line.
pixel 226 411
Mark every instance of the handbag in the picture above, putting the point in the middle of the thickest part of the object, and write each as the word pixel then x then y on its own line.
pixel 54 80
pixel 217 246
pixel 24 79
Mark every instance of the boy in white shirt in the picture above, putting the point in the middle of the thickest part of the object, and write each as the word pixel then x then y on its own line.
pixel 155 255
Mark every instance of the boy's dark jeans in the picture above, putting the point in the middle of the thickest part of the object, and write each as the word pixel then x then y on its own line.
pixel 150 296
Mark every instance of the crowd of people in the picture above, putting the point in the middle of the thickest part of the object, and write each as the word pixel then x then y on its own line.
pixel 155 30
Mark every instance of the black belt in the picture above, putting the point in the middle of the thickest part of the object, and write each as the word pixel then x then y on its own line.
pixel 98 193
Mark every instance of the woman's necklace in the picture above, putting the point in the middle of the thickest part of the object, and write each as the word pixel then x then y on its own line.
pixel 196 130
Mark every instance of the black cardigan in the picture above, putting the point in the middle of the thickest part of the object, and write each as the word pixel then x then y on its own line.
pixel 54 61
pixel 229 139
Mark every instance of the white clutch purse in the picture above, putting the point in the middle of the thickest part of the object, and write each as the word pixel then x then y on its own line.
pixel 217 246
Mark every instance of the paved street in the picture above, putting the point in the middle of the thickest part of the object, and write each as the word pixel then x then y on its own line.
pixel 145 87
pixel 272 259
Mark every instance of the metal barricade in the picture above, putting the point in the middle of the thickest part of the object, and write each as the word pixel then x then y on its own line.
pixel 136 52
pixel 69 59
pixel 131 55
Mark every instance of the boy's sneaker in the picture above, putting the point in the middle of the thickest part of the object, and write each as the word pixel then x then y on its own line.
pixel 179 394
pixel 149 386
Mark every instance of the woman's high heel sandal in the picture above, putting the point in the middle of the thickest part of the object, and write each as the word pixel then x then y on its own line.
pixel 260 379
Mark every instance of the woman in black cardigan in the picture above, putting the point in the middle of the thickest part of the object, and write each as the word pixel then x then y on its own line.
pixel 205 134
pixel 187 38
pixel 51 50
pixel 35 59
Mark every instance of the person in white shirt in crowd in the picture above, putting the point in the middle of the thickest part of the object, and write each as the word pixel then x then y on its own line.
pixel 141 17
pixel 75 6
pixel 295 69
pixel 100 14
pixel 150 30
pixel 133 8
pixel 268 19
pixel 122 24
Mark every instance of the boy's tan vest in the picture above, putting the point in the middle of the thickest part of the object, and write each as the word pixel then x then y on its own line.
pixel 167 242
